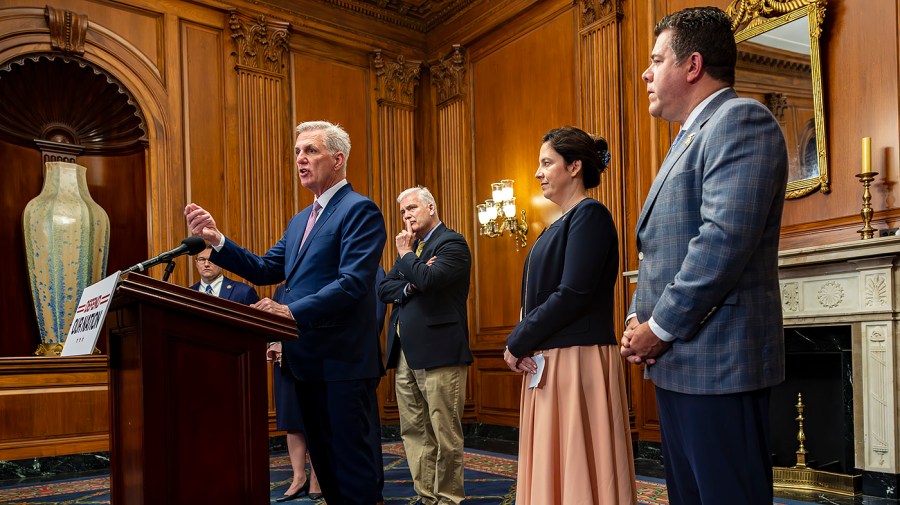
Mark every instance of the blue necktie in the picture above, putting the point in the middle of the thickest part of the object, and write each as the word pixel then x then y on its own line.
pixel 675 142
pixel 678 138
pixel 209 289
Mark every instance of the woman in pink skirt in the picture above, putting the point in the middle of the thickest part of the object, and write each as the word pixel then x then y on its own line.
pixel 575 441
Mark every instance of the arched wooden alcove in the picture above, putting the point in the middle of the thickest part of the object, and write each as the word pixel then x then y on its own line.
pixel 68 110
pixel 70 83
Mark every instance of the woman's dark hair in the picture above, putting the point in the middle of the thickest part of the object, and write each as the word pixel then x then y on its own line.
pixel 574 144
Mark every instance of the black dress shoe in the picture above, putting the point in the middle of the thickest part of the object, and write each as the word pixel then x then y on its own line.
pixel 315 496
pixel 303 491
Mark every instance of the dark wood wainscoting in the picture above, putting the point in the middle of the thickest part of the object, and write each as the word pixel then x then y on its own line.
pixel 57 406
pixel 53 406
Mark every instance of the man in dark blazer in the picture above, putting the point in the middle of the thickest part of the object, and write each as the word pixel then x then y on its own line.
pixel 327 257
pixel 214 282
pixel 706 314
pixel 428 344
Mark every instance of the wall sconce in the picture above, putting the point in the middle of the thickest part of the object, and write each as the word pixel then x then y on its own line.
pixel 499 214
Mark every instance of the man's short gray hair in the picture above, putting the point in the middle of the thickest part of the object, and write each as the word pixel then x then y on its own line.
pixel 425 196
pixel 336 138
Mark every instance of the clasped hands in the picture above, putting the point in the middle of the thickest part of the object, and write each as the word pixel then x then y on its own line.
pixel 525 364
pixel 640 344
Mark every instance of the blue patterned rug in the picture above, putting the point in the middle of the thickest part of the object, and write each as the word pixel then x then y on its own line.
pixel 490 480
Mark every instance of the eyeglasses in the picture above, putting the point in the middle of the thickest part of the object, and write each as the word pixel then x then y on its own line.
pixel 199 259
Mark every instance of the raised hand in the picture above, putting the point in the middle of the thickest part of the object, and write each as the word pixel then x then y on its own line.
pixel 405 240
pixel 201 223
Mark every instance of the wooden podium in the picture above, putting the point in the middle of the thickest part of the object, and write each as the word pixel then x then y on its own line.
pixel 187 396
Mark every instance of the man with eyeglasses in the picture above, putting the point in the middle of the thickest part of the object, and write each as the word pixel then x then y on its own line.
pixel 213 282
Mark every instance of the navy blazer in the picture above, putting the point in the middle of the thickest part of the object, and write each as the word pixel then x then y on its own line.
pixel 708 241
pixel 568 285
pixel 235 291
pixel 433 321
pixel 329 286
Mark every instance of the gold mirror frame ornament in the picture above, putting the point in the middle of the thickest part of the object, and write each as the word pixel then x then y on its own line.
pixel 754 17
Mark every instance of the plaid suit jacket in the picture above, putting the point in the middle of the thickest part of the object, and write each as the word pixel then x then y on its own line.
pixel 708 240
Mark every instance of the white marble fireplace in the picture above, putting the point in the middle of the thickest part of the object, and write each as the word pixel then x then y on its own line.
pixel 855 284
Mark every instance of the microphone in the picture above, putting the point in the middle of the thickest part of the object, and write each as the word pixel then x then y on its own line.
pixel 190 245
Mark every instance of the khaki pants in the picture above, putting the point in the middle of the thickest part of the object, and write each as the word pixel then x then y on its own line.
pixel 431 403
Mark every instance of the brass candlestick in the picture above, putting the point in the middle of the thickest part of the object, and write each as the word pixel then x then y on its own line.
pixel 804 478
pixel 866 212
pixel 801 437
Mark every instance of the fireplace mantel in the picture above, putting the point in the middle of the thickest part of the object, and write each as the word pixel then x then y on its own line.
pixel 855 284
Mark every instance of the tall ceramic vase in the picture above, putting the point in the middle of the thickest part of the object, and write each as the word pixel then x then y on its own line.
pixel 66 245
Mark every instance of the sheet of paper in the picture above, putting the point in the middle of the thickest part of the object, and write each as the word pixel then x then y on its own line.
pixel 536 377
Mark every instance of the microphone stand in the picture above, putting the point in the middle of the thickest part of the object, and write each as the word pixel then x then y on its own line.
pixel 170 266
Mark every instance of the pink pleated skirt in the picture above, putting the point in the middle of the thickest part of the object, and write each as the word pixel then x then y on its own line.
pixel 574 439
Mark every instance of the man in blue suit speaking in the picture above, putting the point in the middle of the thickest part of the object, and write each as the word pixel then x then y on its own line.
pixel 327 257
pixel 706 315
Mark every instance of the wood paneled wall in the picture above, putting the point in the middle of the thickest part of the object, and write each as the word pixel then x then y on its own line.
pixel 508 123
pixel 258 194
pixel 490 82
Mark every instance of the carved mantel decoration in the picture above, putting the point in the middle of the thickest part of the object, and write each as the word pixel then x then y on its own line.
pixel 595 10
pixel 448 75
pixel 260 44
pixel 67 30
pixel 855 284
pixel 396 80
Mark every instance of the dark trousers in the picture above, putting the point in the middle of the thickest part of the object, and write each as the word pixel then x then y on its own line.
pixel 343 434
pixel 716 448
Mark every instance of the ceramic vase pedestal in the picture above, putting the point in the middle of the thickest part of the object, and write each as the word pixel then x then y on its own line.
pixel 66 246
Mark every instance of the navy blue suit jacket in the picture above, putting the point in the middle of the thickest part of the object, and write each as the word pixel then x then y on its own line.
pixel 329 286
pixel 434 320
pixel 235 291
pixel 568 283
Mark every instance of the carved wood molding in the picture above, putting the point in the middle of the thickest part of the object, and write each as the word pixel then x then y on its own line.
pixel 777 104
pixel 448 75
pixel 418 15
pixel 396 159
pixel 754 56
pixel 67 30
pixel 396 81
pixel 593 11
pixel 260 44
pixel 455 178
pixel 101 116
pixel 749 13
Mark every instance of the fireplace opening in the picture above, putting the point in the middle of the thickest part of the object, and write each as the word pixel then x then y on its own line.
pixel 818 365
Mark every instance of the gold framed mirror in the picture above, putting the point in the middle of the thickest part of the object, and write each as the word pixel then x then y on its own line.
pixel 779 65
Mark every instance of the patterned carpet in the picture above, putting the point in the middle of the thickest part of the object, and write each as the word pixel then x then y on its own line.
pixel 490 480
